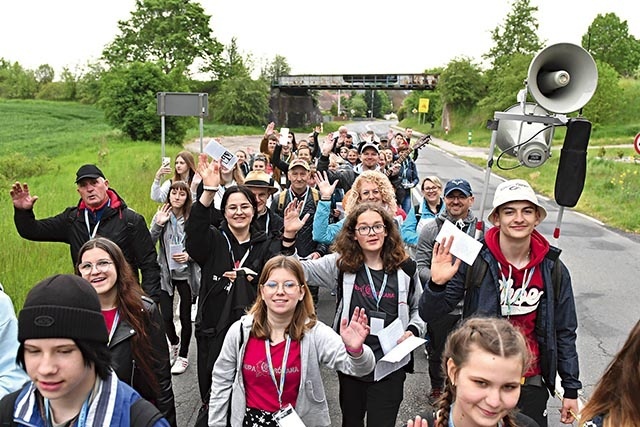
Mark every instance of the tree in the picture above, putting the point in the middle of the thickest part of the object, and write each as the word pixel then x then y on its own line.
pixel 235 64
pixel 241 101
pixel 128 98
pixel 516 35
pixel 608 40
pixel 605 103
pixel 461 84
pixel 174 33
pixel 16 82
pixel 44 74
pixel 276 68
pixel 504 83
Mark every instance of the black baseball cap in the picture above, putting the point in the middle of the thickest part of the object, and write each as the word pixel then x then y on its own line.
pixel 88 171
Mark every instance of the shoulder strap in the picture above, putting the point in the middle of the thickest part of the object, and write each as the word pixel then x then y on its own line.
pixel 281 200
pixel 475 273
pixel 416 210
pixel 143 413
pixel 316 196
pixel 6 408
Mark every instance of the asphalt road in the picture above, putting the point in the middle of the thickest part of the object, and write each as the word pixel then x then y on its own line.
pixel 603 263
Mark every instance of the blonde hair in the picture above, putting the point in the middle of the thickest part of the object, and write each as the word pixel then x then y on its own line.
pixel 384 186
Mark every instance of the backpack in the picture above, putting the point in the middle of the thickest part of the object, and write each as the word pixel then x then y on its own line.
pixel 477 271
pixel 142 413
pixel 283 197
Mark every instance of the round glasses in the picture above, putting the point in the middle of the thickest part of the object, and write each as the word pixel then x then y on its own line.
pixel 365 230
pixel 101 266
pixel 271 287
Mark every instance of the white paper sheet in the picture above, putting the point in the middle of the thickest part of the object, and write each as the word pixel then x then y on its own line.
pixel 396 355
pixel 218 152
pixel 464 246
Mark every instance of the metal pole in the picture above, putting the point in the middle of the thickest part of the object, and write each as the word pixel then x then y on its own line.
pixel 201 106
pixel 487 177
pixel 162 111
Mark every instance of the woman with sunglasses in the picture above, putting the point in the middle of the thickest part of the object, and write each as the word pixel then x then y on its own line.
pixel 137 342
pixel 231 257
pixel 281 333
pixel 373 272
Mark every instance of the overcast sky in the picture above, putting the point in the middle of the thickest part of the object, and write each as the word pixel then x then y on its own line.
pixel 323 37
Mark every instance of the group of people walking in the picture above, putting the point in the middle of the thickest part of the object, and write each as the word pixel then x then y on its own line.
pixel 250 246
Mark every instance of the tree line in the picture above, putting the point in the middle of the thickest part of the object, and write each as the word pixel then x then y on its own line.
pixel 142 60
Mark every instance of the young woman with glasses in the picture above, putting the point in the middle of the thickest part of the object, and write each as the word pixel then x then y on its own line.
pixel 231 257
pixel 137 341
pixel 373 272
pixel 271 358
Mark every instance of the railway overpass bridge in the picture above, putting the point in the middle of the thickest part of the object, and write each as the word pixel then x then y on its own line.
pixel 292 104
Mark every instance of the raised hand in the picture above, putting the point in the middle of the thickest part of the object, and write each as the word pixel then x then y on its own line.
pixel 21 197
pixel 163 170
pixel 209 171
pixel 325 188
pixel 417 422
pixel 443 268
pixel 354 333
pixel 164 214
pixel 327 145
pixel 292 221
pixel 270 129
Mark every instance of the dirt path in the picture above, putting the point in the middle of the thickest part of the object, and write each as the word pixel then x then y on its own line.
pixel 231 143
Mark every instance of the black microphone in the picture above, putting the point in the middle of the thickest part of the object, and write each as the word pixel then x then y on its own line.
pixel 572 167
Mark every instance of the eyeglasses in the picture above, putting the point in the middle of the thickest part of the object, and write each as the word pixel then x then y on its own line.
pixel 365 230
pixel 242 208
pixel 101 266
pixel 430 189
pixel 272 286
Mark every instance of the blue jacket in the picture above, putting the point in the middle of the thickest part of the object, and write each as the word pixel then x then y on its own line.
pixel 409 229
pixel 12 376
pixel 556 321
pixel 112 393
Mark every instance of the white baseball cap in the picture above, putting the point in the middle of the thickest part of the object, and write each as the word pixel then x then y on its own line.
pixel 516 190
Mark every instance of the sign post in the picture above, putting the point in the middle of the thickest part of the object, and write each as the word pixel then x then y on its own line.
pixel 182 104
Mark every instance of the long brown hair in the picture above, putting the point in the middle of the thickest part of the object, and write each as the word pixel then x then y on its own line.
pixel 130 308
pixel 191 164
pixel 616 395
pixel 493 335
pixel 304 316
pixel 351 259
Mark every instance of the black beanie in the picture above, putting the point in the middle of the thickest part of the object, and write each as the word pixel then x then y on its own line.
pixel 62 306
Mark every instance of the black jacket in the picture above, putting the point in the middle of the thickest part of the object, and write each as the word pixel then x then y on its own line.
pixel 122 225
pixel 125 365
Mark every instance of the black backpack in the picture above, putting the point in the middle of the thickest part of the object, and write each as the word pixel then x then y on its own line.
pixel 142 412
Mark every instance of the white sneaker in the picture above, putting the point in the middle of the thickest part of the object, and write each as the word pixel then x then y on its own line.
pixel 180 366
pixel 194 311
pixel 173 353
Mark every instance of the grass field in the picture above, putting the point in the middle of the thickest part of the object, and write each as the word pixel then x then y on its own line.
pixel 44 143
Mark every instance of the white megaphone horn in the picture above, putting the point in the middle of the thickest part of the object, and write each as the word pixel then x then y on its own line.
pixel 562 78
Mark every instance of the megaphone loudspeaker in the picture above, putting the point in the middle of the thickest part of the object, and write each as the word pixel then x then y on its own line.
pixel 562 78
pixel 529 142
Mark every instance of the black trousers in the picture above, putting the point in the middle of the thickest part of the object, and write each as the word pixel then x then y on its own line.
pixel 379 400
pixel 438 332
pixel 533 403
pixel 166 307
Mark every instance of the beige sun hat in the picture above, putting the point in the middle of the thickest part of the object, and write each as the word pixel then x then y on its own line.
pixel 516 190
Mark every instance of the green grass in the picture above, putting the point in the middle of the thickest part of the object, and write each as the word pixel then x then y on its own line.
pixel 43 143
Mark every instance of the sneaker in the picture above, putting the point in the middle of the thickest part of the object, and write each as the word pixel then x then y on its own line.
pixel 180 366
pixel 194 311
pixel 173 353
pixel 434 395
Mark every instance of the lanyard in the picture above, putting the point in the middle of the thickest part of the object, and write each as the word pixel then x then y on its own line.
pixel 283 369
pixel 236 263
pixel 304 201
pixel 92 234
pixel 114 325
pixel 82 416
pixel 376 296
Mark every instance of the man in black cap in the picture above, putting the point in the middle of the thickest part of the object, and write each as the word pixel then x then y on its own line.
pixel 100 212
pixel 63 348
pixel 458 199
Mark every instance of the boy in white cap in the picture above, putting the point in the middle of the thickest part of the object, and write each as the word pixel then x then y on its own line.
pixel 519 285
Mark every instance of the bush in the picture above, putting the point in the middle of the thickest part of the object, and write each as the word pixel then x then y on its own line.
pixel 128 97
